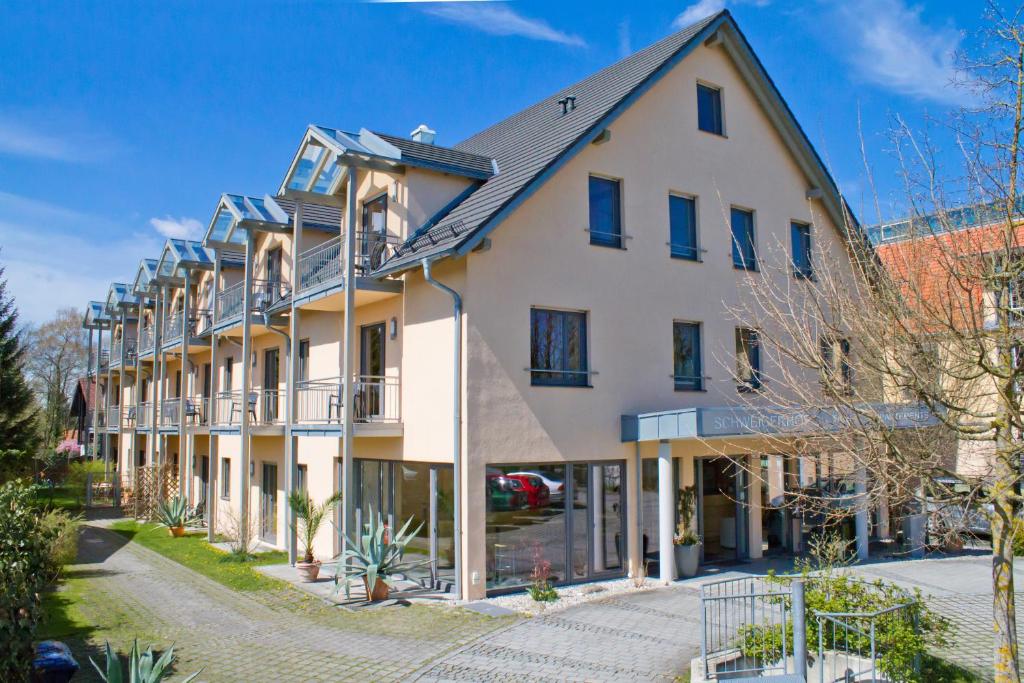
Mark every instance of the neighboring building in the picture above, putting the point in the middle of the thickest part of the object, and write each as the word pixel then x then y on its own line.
pixel 80 412
pixel 593 239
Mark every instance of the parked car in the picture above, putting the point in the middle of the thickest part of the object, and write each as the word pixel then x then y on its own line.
pixel 556 489
pixel 537 493
pixel 504 494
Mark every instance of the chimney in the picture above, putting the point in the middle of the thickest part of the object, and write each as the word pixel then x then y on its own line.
pixel 423 134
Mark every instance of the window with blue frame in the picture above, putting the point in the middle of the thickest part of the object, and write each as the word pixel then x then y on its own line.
pixel 709 109
pixel 748 359
pixel 744 254
pixel 605 212
pixel 682 219
pixel 800 236
pixel 558 348
pixel 687 371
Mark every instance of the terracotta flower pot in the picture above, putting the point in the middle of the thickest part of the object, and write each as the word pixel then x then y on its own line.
pixel 176 531
pixel 380 591
pixel 308 571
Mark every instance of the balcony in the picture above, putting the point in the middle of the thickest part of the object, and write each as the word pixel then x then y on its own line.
pixel 104 362
pixel 203 321
pixel 197 411
pixel 323 264
pixel 265 293
pixel 129 352
pixel 265 407
pixel 146 340
pixel 170 413
pixel 375 399
pixel 114 418
pixel 143 415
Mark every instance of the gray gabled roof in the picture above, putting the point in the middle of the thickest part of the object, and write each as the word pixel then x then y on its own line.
pixel 526 144
pixel 447 159
pixel 530 146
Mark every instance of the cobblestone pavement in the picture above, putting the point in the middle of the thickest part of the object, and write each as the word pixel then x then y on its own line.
pixel 958 588
pixel 129 591
pixel 648 636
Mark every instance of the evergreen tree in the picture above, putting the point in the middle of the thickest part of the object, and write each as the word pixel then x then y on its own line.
pixel 18 411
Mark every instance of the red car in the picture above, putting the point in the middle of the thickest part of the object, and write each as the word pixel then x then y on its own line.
pixel 537 493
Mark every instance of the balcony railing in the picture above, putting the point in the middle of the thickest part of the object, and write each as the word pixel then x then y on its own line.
pixel 265 407
pixel 114 417
pixel 265 293
pixel 104 361
pixel 147 339
pixel 129 352
pixel 324 263
pixel 375 399
pixel 173 326
pixel 170 413
pixel 203 320
pixel 143 415
pixel 197 411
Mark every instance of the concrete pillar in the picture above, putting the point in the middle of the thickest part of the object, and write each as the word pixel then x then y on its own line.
pixel 861 515
pixel 666 514
pixel 634 513
pixel 290 447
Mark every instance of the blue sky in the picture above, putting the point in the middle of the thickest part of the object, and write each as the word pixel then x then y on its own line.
pixel 122 122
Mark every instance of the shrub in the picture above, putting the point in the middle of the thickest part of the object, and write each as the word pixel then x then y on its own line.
pixel 540 588
pixel 143 667
pixel 64 544
pixel 26 566
pixel 902 636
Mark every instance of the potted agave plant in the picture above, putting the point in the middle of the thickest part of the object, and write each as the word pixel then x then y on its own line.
pixel 308 517
pixel 378 557
pixel 686 544
pixel 175 515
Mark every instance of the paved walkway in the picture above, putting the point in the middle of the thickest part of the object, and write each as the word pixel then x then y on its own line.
pixel 129 591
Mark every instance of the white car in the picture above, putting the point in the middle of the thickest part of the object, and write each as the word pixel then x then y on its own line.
pixel 555 488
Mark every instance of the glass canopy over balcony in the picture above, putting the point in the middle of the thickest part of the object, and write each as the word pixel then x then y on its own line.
pixel 144 277
pixel 317 166
pixel 96 316
pixel 236 213
pixel 120 297
pixel 181 255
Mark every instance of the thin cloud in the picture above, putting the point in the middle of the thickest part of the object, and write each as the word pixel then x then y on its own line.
pixel 38 142
pixel 625 42
pixel 178 228
pixel 55 256
pixel 891 47
pixel 500 20
pixel 697 11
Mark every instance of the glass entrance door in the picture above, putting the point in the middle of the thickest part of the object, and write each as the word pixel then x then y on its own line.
pixel 370 389
pixel 423 492
pixel 722 508
pixel 268 503
pixel 271 383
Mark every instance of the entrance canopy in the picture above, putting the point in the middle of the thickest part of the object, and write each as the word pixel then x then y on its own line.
pixel 717 421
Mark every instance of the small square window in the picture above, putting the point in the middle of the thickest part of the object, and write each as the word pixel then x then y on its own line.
pixel 605 212
pixel 744 253
pixel 682 218
pixel 800 235
pixel 709 109
pixel 687 372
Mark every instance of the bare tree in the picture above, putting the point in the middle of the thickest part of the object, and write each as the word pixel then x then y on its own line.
pixel 56 359
pixel 932 321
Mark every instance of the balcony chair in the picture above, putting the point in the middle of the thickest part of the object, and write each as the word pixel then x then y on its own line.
pixel 336 401
pixel 130 417
pixel 192 412
pixel 236 408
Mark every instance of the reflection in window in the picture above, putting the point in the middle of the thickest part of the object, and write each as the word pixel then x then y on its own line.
pixel 605 212
pixel 558 348
pixel 682 219
pixel 744 254
pixel 687 371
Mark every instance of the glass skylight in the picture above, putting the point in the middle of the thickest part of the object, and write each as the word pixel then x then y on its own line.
pixel 221 225
pixel 308 163
pixel 325 180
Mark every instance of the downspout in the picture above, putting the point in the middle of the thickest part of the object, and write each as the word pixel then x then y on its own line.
pixel 456 422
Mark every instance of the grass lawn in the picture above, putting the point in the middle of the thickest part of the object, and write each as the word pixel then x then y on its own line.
pixel 934 669
pixel 194 552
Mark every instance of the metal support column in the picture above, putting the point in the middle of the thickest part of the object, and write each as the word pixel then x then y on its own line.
pixel 96 392
pixel 186 455
pixel 245 533
pixel 348 344
pixel 213 495
pixel 290 460
pixel 666 514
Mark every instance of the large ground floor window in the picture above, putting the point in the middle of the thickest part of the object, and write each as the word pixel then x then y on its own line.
pixel 400 490
pixel 567 520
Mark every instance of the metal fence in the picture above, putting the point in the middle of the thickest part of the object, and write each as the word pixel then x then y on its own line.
pixel 757 626
pixel 741 617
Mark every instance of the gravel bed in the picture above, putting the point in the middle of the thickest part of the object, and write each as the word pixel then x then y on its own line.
pixel 569 596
